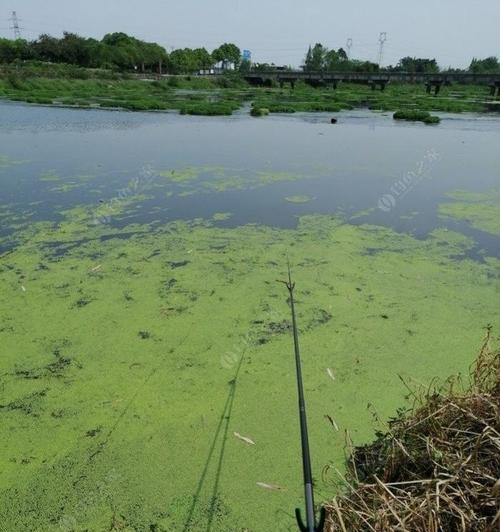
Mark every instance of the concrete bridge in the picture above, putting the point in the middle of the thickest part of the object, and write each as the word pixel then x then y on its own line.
pixel 374 79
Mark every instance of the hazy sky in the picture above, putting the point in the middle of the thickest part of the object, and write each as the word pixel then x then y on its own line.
pixel 453 31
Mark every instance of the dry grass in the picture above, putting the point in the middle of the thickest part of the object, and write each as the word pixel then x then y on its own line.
pixel 437 467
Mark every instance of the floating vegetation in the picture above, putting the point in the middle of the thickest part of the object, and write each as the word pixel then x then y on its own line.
pixel 481 210
pixel 221 216
pixel 209 109
pixel 192 180
pixel 65 187
pixel 269 177
pixel 416 116
pixel 299 199
pixel 182 175
pixel 156 319
pixel 155 328
pixel 259 111
pixel 50 176
pixel 7 162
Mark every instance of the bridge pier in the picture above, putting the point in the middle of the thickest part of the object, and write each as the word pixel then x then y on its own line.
pixel 282 82
pixel 433 83
pixel 495 89
pixel 375 80
pixel 373 84
pixel 315 83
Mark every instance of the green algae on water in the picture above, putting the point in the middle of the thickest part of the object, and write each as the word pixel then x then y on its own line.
pixel 121 349
pixel 203 179
pixel 221 216
pixel 276 177
pixel 481 210
pixel 50 176
pixel 299 199
pixel 66 187
pixel 181 175
pixel 8 162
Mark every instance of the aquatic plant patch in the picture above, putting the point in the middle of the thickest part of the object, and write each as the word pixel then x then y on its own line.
pixel 481 210
pixel 132 358
pixel 299 199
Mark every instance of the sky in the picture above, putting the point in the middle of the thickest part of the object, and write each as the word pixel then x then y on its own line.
pixel 279 31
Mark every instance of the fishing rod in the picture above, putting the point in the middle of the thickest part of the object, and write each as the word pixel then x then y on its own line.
pixel 310 525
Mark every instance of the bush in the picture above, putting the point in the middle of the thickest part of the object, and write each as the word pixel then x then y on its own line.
pixel 323 107
pixel 416 116
pixel 15 81
pixel 173 82
pixel 230 81
pixel 259 111
pixel 207 109
pixel 432 119
pixel 280 108
pixel 410 114
pixel 40 100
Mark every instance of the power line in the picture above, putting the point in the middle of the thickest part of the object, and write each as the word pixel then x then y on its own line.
pixel 381 40
pixel 15 25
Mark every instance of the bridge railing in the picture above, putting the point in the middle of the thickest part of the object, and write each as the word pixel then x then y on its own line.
pixel 285 75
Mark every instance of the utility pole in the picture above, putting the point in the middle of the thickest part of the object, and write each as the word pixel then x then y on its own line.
pixel 348 47
pixel 15 25
pixel 381 40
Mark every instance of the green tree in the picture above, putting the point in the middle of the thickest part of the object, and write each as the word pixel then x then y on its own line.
pixel 416 64
pixel 331 60
pixel 152 56
pixel 74 49
pixel 226 54
pixel 342 54
pixel 308 58
pixel 245 66
pixel 183 61
pixel 12 50
pixel 363 66
pixel 47 48
pixel 203 59
pixel 336 60
pixel 490 65
pixel 315 58
pixel 126 52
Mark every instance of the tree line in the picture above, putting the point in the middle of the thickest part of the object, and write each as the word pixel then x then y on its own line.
pixel 119 51
pixel 319 58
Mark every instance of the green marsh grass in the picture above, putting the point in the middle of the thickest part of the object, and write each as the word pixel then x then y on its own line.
pixel 61 83
pixel 414 115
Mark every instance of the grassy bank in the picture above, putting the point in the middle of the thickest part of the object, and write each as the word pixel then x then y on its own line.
pixel 134 95
pixel 74 86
